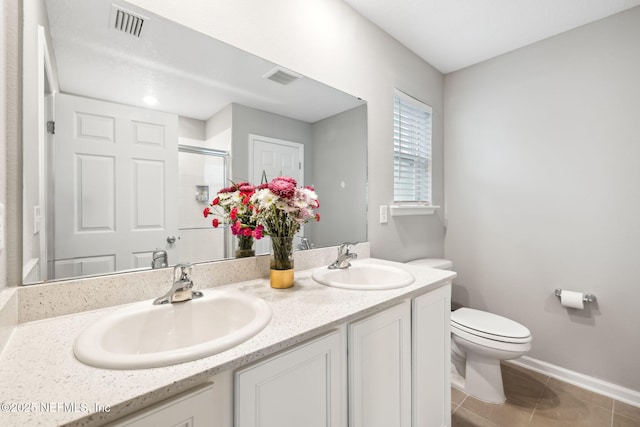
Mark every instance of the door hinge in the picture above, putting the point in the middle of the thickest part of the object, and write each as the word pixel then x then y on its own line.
pixel 51 127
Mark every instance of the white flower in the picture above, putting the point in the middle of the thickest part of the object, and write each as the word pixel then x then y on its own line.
pixel 264 198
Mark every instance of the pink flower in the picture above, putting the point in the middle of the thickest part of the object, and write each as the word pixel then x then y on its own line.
pixel 282 188
pixel 233 214
pixel 215 223
pixel 206 211
pixel 258 232
pixel 246 232
pixel 285 179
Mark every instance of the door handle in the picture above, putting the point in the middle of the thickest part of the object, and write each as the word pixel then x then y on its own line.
pixel 171 240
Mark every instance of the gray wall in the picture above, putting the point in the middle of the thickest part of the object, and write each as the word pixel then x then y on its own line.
pixel 339 158
pixel 247 120
pixel 542 175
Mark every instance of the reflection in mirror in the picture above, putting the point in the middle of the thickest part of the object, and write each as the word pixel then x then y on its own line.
pixel 151 120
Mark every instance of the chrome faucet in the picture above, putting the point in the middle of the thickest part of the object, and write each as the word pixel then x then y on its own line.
pixel 305 244
pixel 344 256
pixel 159 259
pixel 182 288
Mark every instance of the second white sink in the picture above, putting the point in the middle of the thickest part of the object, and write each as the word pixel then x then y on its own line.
pixel 144 335
pixel 364 275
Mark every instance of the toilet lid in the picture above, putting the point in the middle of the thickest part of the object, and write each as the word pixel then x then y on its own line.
pixel 489 325
pixel 440 263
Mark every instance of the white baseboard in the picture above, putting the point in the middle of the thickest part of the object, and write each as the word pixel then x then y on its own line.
pixel 626 395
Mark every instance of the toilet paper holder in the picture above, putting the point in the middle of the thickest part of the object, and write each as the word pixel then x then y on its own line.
pixel 585 297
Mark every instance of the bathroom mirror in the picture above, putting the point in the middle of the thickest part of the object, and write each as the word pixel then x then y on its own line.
pixel 195 113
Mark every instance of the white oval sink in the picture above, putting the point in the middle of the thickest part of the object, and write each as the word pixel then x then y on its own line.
pixel 144 335
pixel 363 276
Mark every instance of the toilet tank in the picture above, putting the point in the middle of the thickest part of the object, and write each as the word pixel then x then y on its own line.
pixel 439 263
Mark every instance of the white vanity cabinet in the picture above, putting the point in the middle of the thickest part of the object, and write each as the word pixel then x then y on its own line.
pixel 191 409
pixel 304 386
pixel 380 369
pixel 431 358
pixel 395 365
pixel 389 369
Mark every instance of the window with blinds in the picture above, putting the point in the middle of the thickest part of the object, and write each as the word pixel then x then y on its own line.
pixel 411 150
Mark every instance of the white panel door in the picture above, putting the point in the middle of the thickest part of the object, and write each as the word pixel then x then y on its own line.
pixel 432 358
pixel 275 157
pixel 116 175
pixel 380 369
pixel 269 158
pixel 300 387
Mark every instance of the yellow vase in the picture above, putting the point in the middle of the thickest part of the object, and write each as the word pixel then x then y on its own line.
pixel 281 274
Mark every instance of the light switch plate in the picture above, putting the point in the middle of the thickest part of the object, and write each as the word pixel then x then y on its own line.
pixel 384 214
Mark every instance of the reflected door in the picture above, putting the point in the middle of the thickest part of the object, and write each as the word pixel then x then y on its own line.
pixel 116 175
pixel 270 158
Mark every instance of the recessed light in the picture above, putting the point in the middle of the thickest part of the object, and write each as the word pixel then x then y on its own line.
pixel 150 100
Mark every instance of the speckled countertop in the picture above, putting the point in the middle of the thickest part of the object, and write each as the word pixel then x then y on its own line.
pixel 39 372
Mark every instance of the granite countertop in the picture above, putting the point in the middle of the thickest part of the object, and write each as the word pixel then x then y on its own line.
pixel 43 384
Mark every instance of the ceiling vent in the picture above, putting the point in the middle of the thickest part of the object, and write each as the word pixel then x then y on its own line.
pixel 125 21
pixel 282 76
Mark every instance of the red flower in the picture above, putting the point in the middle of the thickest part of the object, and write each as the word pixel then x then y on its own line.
pixel 215 223
pixel 317 216
pixel 206 211
pixel 257 233
pixel 246 232
pixel 215 201
pixel 233 214
pixel 236 228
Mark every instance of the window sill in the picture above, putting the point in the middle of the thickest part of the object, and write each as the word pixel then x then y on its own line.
pixel 405 210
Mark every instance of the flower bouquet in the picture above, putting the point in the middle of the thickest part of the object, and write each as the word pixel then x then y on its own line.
pixel 281 208
pixel 232 207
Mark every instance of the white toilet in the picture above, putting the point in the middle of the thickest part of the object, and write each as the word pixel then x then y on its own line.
pixel 479 341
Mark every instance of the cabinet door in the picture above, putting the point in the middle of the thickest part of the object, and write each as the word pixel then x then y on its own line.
pixel 304 386
pixel 191 409
pixel 432 358
pixel 380 369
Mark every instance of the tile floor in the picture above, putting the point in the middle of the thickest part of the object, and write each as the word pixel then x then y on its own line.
pixel 536 400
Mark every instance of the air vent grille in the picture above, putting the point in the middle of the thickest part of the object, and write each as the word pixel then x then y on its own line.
pixel 282 76
pixel 127 22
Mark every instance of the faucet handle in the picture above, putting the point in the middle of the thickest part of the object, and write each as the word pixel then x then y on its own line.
pixel 185 272
pixel 344 247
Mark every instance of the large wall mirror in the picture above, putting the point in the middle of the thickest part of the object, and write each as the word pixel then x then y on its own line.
pixel 141 121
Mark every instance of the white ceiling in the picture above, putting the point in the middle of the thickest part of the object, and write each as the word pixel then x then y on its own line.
pixel 190 74
pixel 453 34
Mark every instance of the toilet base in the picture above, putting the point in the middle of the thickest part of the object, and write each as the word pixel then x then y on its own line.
pixel 483 378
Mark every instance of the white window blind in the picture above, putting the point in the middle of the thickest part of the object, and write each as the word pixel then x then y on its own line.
pixel 411 150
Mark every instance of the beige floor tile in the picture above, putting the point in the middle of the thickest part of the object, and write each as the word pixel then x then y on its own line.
pixel 522 391
pixel 562 388
pixel 506 414
pixel 626 410
pixel 563 408
pixel 457 396
pixel 510 368
pixel 622 421
pixel 465 418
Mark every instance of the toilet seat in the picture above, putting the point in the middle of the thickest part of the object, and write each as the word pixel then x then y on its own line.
pixel 489 326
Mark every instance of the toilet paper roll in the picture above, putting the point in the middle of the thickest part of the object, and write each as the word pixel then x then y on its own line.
pixel 572 299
